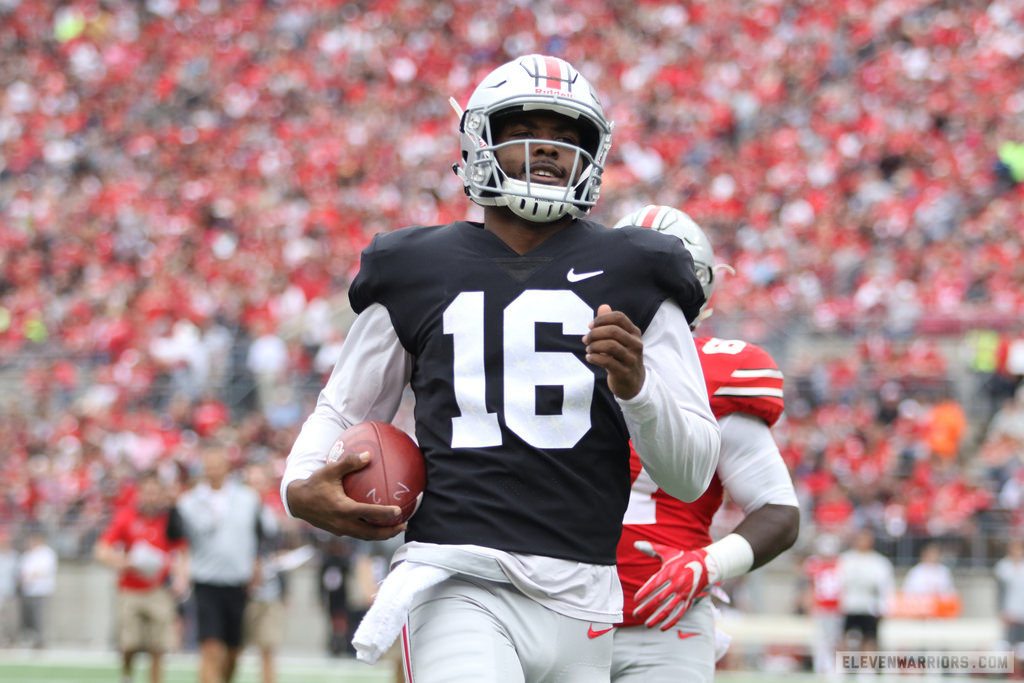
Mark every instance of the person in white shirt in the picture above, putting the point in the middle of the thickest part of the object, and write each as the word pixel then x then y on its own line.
pixel 37 574
pixel 8 590
pixel 865 584
pixel 267 360
pixel 1009 573
pixel 929 576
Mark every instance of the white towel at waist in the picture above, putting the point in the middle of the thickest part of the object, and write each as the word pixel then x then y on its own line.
pixel 383 622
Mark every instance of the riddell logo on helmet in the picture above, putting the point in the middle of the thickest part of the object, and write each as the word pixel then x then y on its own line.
pixel 552 91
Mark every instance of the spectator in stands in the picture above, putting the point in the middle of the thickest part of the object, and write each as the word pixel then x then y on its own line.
pixel 223 521
pixel 130 209
pixel 8 590
pixel 865 584
pixel 135 544
pixel 1009 370
pixel 1010 164
pixel 268 361
pixel 945 426
pixel 929 576
pixel 1009 573
pixel 1009 418
pixel 37 578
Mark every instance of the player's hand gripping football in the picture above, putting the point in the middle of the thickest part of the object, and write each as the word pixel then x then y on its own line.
pixel 614 344
pixel 321 501
pixel 684 576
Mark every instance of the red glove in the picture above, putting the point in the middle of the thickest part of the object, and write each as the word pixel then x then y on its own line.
pixel 684 576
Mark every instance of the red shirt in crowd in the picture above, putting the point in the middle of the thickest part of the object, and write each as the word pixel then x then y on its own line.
pixel 128 528
pixel 823 574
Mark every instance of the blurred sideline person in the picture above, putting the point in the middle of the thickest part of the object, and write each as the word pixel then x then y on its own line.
pixel 537 344
pixel 1009 573
pixel 667 560
pixel 37 578
pixel 223 521
pixel 266 612
pixel 865 586
pixel 339 568
pixel 929 576
pixel 821 571
pixel 370 572
pixel 263 622
pixel 8 590
pixel 147 562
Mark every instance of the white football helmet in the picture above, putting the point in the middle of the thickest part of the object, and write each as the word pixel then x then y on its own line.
pixel 533 83
pixel 675 222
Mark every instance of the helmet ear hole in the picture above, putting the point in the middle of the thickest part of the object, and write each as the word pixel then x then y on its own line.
pixel 590 138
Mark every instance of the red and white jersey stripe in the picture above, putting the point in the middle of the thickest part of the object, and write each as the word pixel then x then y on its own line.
pixel 741 378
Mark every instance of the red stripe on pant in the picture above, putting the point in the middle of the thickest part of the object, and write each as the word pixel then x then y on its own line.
pixel 406 659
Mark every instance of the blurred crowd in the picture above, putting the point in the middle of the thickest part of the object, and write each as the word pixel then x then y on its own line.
pixel 185 186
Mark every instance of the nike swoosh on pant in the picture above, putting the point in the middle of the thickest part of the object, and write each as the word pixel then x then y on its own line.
pixel 684 636
pixel 591 633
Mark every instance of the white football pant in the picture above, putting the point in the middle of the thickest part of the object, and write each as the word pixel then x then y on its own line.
pixel 466 630
pixel 685 652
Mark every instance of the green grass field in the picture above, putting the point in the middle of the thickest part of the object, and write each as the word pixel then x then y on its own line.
pixel 90 667
pixel 20 666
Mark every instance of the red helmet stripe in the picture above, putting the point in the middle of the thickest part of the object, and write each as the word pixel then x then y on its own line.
pixel 553 73
pixel 650 216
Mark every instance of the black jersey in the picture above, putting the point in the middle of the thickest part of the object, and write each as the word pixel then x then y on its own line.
pixel 526 448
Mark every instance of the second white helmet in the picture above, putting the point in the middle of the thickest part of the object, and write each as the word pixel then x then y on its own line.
pixel 675 222
pixel 533 83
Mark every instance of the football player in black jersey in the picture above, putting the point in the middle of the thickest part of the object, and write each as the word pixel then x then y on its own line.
pixel 536 344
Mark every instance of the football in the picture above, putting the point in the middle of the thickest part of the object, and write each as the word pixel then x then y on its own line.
pixel 395 474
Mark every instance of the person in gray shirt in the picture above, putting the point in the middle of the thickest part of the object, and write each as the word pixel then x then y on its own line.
pixel 223 521
pixel 1009 572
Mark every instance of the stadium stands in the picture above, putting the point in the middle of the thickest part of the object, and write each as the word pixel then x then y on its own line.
pixel 182 178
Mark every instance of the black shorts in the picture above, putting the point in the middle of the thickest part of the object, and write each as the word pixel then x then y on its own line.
pixel 866 625
pixel 219 611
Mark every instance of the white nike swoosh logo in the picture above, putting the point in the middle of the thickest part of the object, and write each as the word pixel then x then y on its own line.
pixel 573 276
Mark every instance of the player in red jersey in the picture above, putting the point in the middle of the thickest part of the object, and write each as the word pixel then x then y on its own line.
pixel 821 571
pixel 135 543
pixel 666 556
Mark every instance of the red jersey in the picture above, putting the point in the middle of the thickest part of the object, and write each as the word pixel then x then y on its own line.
pixel 740 378
pixel 128 528
pixel 823 574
